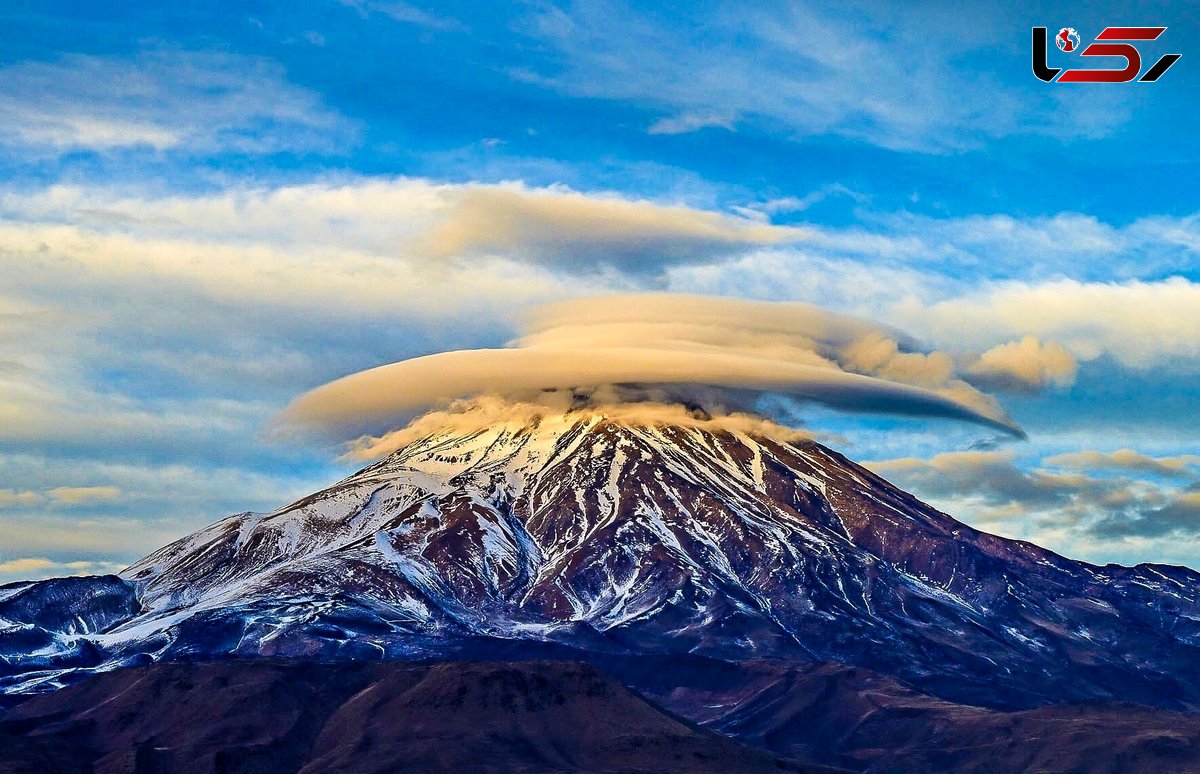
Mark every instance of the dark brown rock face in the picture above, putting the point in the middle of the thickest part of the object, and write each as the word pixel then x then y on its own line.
pixel 264 715
pixel 260 716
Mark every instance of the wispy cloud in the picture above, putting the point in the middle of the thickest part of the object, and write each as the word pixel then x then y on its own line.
pixel 896 80
pixel 792 204
pixel 61 495
pixel 83 495
pixel 406 13
pixel 37 567
pixel 685 123
pixel 194 101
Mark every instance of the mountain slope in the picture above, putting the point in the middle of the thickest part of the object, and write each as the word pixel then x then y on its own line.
pixel 853 718
pixel 355 717
pixel 606 536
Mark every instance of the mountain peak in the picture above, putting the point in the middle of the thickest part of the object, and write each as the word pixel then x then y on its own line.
pixel 528 447
pixel 634 532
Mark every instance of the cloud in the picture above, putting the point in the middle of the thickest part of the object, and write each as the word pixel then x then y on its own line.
pixel 482 412
pixel 1140 324
pixel 685 123
pixel 40 413
pixel 1127 460
pixel 10 498
pixel 159 328
pixel 158 501
pixel 672 343
pixel 901 258
pixel 62 495
pixel 989 476
pixel 879 355
pixel 163 100
pixel 871 73
pixel 787 331
pixel 572 230
pixel 36 568
pixel 1027 365
pixel 84 495
pixel 246 291
pixel 1073 512
pixel 361 229
pixel 152 329
pixel 405 13
pixel 1180 517
pixel 790 204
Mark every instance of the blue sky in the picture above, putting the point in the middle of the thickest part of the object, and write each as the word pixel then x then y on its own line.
pixel 205 212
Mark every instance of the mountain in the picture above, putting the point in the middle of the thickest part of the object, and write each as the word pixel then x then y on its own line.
pixel 587 538
pixel 859 720
pixel 361 717
pixel 256 715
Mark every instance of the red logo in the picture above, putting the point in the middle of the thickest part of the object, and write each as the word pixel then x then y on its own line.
pixel 1067 40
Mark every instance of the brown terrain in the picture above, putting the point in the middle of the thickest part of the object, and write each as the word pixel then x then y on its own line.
pixel 541 716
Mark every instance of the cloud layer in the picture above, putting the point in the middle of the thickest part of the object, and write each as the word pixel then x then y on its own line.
pixel 1081 503
pixel 163 330
pixel 575 231
pixel 680 344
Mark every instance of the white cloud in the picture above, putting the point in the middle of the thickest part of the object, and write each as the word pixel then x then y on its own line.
pixel 364 228
pixel 870 73
pixel 403 12
pixel 163 99
pixel 230 302
pixel 980 283
pixel 685 123
pixel 1140 324
pixel 790 204
pixel 1027 365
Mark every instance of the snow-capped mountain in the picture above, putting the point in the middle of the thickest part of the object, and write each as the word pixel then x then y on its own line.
pixel 616 537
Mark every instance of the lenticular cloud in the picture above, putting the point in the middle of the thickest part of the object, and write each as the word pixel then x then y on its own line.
pixel 716 352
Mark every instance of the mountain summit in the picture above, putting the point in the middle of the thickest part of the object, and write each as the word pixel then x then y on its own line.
pixel 620 538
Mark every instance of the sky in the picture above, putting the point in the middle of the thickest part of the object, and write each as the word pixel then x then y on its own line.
pixel 207 210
